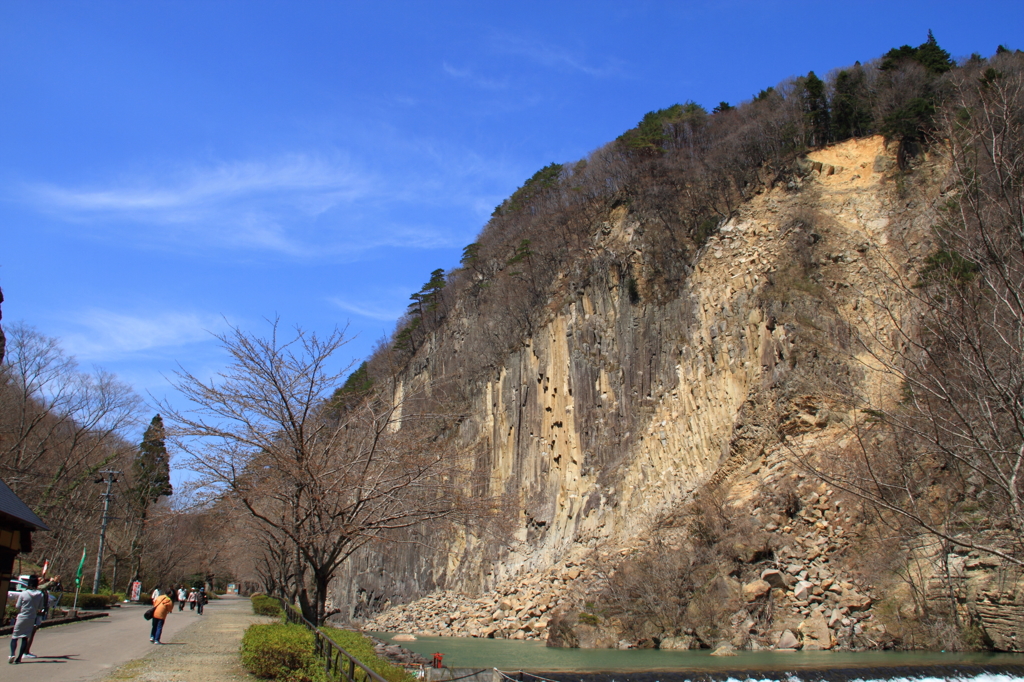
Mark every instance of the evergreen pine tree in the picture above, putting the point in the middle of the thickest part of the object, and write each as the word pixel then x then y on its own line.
pixel 928 54
pixel 816 110
pixel 851 106
pixel 932 57
pixel 152 467
pixel 470 255
pixel 431 291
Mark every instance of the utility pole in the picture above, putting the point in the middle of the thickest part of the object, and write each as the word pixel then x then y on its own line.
pixel 103 526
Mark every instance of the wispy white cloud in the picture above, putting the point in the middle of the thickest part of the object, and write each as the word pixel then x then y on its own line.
pixel 556 57
pixel 371 310
pixel 299 206
pixel 469 76
pixel 104 334
pixel 297 177
pixel 242 205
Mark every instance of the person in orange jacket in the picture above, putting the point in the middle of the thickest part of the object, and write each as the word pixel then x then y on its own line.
pixel 163 606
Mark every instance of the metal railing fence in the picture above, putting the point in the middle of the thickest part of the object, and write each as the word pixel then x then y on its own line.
pixel 338 663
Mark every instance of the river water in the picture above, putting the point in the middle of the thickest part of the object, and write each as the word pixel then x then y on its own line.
pixel 511 655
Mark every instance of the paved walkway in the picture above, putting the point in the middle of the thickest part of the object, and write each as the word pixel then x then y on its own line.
pixel 87 650
pixel 196 648
pixel 205 651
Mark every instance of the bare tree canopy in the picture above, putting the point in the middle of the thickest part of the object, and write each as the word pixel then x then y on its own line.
pixel 320 480
pixel 58 426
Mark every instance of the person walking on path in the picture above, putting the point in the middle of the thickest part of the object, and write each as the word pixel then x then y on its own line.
pixel 29 604
pixel 163 606
pixel 192 600
pixel 182 598
pixel 41 615
pixel 201 600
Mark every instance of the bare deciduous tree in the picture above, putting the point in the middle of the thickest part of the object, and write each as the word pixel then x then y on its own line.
pixel 326 480
pixel 58 426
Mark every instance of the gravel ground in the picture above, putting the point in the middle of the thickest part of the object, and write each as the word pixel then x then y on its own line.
pixel 205 651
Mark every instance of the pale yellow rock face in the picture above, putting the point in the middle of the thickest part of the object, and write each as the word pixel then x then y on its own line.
pixel 526 416
pixel 613 414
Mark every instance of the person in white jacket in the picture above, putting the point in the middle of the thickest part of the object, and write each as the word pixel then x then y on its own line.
pixel 29 604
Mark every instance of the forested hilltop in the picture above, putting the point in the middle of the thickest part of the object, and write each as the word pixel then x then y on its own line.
pixel 682 172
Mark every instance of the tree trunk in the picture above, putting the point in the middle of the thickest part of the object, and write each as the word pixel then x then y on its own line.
pixel 322 580
pixel 308 610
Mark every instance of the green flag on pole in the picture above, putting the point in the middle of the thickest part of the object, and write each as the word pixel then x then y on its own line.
pixel 81 565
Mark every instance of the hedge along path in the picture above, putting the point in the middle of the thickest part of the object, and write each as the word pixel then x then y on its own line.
pixel 205 651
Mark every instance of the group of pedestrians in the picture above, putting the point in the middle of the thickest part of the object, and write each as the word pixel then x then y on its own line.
pixel 163 605
pixel 32 606
pixel 195 599
pixel 34 602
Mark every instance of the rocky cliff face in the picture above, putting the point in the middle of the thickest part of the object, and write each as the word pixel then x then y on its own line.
pixel 618 411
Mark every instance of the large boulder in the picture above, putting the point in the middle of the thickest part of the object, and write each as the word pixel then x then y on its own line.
pixel 595 637
pixel 683 642
pixel 775 578
pixel 817 636
pixel 561 634
pixel 853 600
pixel 726 589
pixel 756 589
pixel 803 590
pixel 787 640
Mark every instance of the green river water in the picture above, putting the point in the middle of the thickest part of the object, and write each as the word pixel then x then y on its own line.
pixel 511 655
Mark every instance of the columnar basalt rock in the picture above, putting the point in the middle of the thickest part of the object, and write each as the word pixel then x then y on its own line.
pixel 616 412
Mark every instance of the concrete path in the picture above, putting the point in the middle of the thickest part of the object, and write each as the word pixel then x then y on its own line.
pixel 90 650
pixel 205 651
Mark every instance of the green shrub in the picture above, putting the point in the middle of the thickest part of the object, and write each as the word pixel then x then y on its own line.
pixel 362 649
pixel 262 605
pixel 281 651
pixel 92 601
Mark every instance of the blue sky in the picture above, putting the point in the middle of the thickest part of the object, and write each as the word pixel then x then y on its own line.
pixel 167 167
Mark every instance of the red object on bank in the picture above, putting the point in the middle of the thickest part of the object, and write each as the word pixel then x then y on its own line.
pixel 437 661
